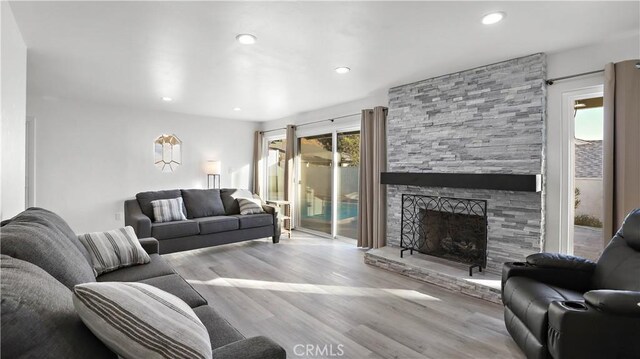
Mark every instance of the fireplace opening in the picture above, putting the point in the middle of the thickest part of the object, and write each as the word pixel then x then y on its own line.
pixel 450 228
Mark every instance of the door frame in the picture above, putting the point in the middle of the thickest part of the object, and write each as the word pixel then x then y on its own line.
pixel 568 162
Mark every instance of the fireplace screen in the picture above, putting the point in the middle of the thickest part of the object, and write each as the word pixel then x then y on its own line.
pixel 445 227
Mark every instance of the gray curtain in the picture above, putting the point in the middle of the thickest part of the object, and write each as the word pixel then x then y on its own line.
pixel 258 143
pixel 373 160
pixel 289 168
pixel 621 143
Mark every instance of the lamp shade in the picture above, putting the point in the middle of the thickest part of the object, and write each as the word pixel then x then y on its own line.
pixel 212 167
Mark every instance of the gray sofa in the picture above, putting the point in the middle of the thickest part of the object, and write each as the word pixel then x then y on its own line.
pixel 213 218
pixel 42 260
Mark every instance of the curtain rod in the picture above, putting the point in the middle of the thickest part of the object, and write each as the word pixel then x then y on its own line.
pixel 311 123
pixel 551 81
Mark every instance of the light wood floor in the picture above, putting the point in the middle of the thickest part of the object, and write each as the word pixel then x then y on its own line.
pixel 311 290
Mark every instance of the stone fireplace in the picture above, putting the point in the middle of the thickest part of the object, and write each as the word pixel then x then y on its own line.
pixel 484 121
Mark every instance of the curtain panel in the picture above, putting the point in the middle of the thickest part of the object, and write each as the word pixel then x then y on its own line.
pixel 372 194
pixel 289 168
pixel 621 143
pixel 258 146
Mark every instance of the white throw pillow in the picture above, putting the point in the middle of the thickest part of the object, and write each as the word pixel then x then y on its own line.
pixel 136 320
pixel 114 249
pixel 250 206
pixel 168 210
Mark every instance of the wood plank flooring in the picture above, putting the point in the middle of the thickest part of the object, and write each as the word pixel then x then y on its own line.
pixel 318 291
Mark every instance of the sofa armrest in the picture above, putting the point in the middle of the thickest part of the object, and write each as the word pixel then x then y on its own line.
pixel 561 261
pixel 274 211
pixel 251 348
pixel 149 244
pixel 578 280
pixel 622 302
pixel 134 217
pixel 579 330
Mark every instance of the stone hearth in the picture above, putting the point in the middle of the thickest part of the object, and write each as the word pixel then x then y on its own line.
pixel 440 272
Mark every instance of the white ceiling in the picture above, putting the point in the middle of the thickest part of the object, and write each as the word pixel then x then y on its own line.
pixel 133 53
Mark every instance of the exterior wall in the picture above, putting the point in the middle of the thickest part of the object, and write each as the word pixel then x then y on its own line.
pixel 485 120
pixel 591 197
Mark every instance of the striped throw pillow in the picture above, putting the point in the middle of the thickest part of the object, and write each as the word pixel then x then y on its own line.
pixel 167 210
pixel 136 320
pixel 114 249
pixel 250 206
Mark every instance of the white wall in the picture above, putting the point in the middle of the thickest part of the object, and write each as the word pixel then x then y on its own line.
pixel 90 157
pixel 564 63
pixel 347 108
pixel 13 103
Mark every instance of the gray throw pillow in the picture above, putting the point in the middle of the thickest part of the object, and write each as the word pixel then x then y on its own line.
pixel 145 198
pixel 250 206
pixel 137 320
pixel 168 210
pixel 114 249
pixel 229 196
pixel 36 236
pixel 203 203
pixel 38 317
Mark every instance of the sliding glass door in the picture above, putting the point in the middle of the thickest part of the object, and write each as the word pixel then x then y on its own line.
pixel 315 195
pixel 328 183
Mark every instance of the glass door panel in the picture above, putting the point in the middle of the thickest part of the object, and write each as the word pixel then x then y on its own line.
pixel 348 148
pixel 315 195
pixel 588 188
pixel 275 169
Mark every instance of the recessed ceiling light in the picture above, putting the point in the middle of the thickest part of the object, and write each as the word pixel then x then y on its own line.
pixel 246 39
pixel 493 18
pixel 237 109
pixel 166 99
pixel 342 70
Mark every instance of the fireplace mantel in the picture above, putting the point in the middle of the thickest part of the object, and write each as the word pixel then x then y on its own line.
pixel 492 181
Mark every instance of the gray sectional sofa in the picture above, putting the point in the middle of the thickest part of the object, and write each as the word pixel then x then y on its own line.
pixel 42 260
pixel 213 218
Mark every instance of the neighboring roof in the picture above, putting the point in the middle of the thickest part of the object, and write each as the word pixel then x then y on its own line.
pixel 588 159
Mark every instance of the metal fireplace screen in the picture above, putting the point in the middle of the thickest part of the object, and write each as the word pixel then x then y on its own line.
pixel 445 227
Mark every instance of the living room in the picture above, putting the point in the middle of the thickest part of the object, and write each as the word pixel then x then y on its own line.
pixel 320 179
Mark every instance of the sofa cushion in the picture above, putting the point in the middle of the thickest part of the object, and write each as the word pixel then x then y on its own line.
pixel 217 224
pixel 156 267
pixel 137 320
pixel 177 286
pixel 38 318
pixel 220 331
pixel 254 220
pixel 145 198
pixel 229 196
pixel 174 229
pixel 529 300
pixel 114 249
pixel 35 236
pixel 203 203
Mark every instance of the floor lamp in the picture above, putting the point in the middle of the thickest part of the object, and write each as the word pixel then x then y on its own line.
pixel 213 174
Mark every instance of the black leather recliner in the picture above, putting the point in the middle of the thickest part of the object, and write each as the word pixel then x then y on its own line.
pixel 563 306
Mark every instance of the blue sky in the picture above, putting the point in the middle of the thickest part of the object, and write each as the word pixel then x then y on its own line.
pixel 589 124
